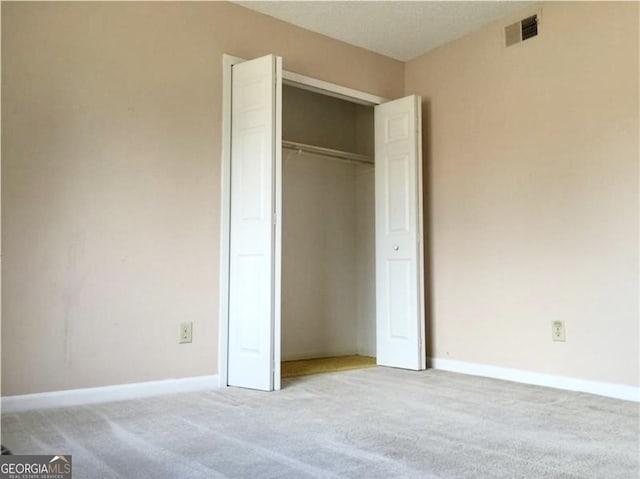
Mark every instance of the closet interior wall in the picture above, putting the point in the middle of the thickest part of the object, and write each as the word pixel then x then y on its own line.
pixel 328 249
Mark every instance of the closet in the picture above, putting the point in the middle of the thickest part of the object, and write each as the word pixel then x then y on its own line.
pixel 328 230
pixel 321 250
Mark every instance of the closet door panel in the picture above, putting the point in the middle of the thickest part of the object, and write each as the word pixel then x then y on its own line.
pixel 400 320
pixel 252 265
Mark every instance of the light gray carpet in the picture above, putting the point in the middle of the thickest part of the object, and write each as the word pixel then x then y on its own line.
pixel 370 423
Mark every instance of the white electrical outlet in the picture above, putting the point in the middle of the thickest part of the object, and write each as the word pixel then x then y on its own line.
pixel 186 331
pixel 558 331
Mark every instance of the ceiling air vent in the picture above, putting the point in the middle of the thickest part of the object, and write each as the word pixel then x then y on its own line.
pixel 522 30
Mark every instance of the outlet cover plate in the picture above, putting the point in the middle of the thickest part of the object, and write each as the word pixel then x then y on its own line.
pixel 558 331
pixel 186 332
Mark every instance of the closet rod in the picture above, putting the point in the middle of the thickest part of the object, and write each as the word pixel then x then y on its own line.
pixel 345 155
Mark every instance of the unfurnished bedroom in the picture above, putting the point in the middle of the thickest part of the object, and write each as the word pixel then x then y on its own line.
pixel 331 239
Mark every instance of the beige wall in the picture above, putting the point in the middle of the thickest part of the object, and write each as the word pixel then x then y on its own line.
pixel 533 193
pixel 110 181
pixel 110 186
pixel 328 296
pixel 317 119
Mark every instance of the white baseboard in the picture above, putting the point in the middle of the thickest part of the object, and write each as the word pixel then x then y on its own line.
pixel 618 391
pixel 119 392
pixel 78 397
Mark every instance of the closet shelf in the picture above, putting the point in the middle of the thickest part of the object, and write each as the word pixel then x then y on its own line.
pixel 320 150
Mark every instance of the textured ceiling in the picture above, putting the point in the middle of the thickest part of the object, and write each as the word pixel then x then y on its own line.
pixel 398 29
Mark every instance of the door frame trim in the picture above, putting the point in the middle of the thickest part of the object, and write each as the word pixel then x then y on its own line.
pixel 288 78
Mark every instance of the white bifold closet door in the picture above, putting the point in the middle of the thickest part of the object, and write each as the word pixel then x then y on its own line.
pixel 400 321
pixel 255 236
pixel 254 297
